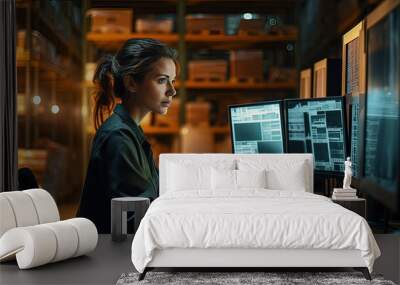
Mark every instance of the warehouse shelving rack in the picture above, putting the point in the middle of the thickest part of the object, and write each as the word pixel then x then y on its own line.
pixel 43 84
pixel 184 42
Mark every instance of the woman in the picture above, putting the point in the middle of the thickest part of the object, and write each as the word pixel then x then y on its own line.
pixel 141 75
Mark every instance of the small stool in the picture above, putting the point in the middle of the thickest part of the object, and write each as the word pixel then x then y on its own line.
pixel 119 208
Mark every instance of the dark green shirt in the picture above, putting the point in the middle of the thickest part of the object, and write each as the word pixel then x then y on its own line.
pixel 121 164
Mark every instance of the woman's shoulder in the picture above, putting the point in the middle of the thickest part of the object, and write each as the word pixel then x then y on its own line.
pixel 114 131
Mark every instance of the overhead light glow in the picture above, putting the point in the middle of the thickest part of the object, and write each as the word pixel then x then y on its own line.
pixel 55 109
pixel 248 16
pixel 36 99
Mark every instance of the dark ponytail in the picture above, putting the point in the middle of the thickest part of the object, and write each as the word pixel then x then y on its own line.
pixel 104 97
pixel 135 58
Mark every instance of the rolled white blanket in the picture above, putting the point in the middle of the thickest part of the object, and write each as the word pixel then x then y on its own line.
pixel 40 244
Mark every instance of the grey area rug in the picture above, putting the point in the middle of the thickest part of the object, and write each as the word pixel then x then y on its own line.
pixel 233 278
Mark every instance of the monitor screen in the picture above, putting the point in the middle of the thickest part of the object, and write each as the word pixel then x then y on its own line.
pixel 317 126
pixel 382 105
pixel 257 128
pixel 354 134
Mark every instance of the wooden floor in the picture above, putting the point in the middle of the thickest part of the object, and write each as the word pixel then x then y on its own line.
pixel 110 259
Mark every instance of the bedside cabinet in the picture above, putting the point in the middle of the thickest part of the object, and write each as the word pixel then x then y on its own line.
pixel 357 205
pixel 119 209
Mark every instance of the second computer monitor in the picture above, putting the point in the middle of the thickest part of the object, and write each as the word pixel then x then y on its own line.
pixel 317 126
pixel 257 128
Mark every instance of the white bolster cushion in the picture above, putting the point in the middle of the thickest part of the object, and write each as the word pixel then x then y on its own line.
pixel 33 246
pixel 87 235
pixel 41 244
pixel 46 207
pixel 7 218
pixel 26 208
pixel 66 238
pixel 23 208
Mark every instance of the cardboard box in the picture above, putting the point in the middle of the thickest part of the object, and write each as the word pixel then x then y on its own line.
pixel 197 113
pixel 282 74
pixel 161 26
pixel 111 20
pixel 252 26
pixel 197 139
pixel 246 64
pixel 211 70
pixel 212 24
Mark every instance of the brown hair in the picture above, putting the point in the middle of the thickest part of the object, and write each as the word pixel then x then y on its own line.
pixel 135 58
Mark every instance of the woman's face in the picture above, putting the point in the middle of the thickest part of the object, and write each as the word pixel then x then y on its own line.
pixel 155 92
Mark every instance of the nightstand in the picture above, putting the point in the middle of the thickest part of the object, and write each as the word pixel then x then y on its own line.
pixel 119 208
pixel 357 205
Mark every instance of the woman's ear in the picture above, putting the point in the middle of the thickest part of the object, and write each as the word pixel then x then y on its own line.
pixel 130 84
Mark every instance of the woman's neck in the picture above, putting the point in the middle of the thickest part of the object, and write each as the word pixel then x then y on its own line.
pixel 136 113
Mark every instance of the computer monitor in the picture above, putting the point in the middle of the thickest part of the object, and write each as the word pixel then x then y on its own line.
pixel 381 128
pixel 353 87
pixel 257 127
pixel 353 60
pixel 354 132
pixel 317 126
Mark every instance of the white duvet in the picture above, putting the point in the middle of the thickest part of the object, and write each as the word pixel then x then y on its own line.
pixel 252 218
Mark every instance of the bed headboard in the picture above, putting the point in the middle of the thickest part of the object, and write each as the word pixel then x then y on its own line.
pixel 232 159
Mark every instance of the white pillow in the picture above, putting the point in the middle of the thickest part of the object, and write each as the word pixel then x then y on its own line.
pixel 287 176
pixel 251 178
pixel 228 179
pixel 282 174
pixel 185 177
pixel 223 179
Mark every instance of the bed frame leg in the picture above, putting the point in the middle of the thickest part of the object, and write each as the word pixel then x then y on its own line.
pixel 364 271
pixel 143 274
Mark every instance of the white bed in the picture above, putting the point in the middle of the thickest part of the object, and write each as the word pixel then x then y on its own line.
pixel 247 211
